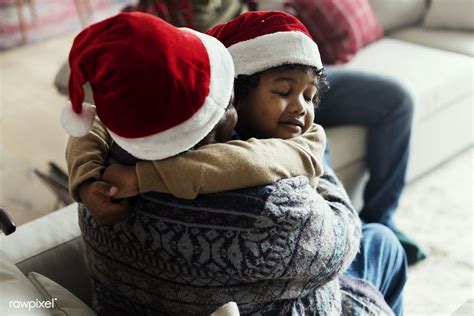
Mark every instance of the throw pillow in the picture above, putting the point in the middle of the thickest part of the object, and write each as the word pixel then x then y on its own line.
pixel 453 14
pixel 65 303
pixel 16 292
pixel 340 28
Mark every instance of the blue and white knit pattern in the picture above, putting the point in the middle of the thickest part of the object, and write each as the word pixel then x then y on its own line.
pixel 275 249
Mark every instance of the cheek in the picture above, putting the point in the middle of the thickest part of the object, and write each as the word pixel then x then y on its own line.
pixel 309 116
pixel 233 117
pixel 311 113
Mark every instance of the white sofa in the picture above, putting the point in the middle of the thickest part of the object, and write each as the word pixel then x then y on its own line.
pixel 435 65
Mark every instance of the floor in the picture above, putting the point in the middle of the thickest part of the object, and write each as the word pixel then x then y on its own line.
pixel 436 210
pixel 30 129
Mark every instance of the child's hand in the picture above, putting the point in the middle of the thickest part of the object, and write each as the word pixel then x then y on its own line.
pixel 124 178
pixel 96 196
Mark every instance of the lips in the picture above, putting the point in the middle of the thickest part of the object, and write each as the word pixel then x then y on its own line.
pixel 295 122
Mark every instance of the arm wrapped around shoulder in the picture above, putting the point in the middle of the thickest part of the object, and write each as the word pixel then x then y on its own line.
pixel 235 165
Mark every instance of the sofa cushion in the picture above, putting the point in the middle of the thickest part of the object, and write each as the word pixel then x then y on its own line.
pixel 346 145
pixel 454 41
pixel 340 28
pixel 66 303
pixel 15 289
pixel 393 15
pixel 435 78
pixel 453 14
pixel 347 149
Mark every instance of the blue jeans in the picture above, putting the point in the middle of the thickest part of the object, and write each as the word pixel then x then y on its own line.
pixel 386 109
pixel 382 262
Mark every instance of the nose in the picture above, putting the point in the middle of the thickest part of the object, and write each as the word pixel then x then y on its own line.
pixel 297 106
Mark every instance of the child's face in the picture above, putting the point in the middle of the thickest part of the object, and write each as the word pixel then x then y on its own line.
pixel 279 107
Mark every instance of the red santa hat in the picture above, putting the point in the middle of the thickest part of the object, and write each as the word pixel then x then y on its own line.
pixel 260 40
pixel 158 89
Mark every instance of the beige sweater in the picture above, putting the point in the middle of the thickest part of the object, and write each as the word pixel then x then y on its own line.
pixel 211 168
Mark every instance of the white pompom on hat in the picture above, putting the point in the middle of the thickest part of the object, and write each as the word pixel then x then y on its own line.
pixel 158 89
pixel 78 124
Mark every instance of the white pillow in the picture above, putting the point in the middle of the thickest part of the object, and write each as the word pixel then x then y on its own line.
pixel 17 295
pixel 65 303
pixel 452 14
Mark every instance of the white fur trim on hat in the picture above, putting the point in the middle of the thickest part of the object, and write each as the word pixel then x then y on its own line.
pixel 272 50
pixel 78 125
pixel 187 134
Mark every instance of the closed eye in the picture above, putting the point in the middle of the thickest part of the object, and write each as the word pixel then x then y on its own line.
pixel 312 98
pixel 282 93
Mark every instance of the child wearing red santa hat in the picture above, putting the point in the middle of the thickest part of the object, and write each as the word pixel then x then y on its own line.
pixel 158 90
pixel 207 170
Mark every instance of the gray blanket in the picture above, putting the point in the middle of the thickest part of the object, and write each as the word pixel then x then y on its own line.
pixel 275 250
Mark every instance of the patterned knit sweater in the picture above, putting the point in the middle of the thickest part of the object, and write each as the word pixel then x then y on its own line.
pixel 277 249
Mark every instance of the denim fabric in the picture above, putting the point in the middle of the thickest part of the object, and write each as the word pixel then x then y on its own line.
pixel 386 109
pixel 382 262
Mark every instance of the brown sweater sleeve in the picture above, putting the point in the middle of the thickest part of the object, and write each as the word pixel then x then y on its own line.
pixel 234 165
pixel 86 157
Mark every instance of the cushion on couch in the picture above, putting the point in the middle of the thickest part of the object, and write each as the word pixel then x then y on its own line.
pixel 394 15
pixel 340 28
pixel 65 303
pixel 47 245
pixel 452 14
pixel 450 40
pixel 15 289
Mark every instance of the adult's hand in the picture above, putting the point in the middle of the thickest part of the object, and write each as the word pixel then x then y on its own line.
pixel 97 197
pixel 124 178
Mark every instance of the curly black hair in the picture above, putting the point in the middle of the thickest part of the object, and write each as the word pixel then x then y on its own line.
pixel 243 84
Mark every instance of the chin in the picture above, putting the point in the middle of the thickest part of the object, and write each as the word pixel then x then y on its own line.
pixel 287 135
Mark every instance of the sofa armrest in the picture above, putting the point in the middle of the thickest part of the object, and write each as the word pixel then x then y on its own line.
pixel 44 233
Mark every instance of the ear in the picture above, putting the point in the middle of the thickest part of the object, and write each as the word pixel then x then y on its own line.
pixel 235 104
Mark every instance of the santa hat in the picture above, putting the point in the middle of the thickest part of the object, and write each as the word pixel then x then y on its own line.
pixel 157 89
pixel 260 40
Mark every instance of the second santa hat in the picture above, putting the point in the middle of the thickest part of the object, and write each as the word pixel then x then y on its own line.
pixel 260 40
pixel 157 89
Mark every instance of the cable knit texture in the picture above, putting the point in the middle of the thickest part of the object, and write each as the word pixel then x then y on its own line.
pixel 274 249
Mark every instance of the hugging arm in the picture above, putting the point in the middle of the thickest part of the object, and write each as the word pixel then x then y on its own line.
pixel 86 157
pixel 211 168
pixel 234 165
